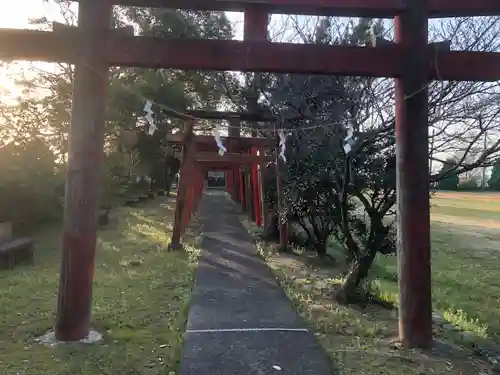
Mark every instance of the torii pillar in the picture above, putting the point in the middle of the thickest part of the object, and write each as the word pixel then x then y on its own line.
pixel 83 178
pixel 255 29
pixel 185 180
pixel 234 131
pixel 413 218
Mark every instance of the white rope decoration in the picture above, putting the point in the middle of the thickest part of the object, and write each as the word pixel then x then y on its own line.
pixel 149 117
pixel 283 137
pixel 218 140
pixel 349 141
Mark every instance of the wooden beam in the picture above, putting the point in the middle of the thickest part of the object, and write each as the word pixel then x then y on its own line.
pixel 34 45
pixel 354 8
pixel 351 8
pixel 242 116
pixel 465 66
pixel 192 54
pixel 240 142
pixel 214 158
pixel 58 27
pixel 463 8
pixel 220 115
pixel 250 56
pixel 254 56
pixel 218 167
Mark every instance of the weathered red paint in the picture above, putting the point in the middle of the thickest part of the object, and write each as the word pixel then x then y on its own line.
pixel 212 158
pixel 384 61
pixel 256 192
pixel 201 183
pixel 75 290
pixel 235 184
pixel 238 143
pixel 413 218
pixel 227 175
pixel 255 24
pixel 242 189
pixel 197 191
pixel 255 29
pixel 232 182
pixel 235 143
pixel 256 56
pixel 188 207
pixel 463 8
pixel 188 149
pixel 248 192
pixel 352 8
pixel 83 174
pixel 263 206
pixel 226 115
pixel 218 167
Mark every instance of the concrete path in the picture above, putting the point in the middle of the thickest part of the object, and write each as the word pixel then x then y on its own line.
pixel 240 321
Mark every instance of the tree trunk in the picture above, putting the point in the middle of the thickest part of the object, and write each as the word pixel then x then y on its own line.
pixel 320 248
pixel 170 179
pixel 358 272
pixel 271 232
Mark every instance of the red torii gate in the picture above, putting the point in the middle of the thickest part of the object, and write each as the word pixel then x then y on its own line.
pixel 199 154
pixel 410 61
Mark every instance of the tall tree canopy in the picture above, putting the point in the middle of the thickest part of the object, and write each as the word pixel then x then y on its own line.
pixel 42 112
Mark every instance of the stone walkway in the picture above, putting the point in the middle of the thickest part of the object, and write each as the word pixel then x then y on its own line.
pixel 240 321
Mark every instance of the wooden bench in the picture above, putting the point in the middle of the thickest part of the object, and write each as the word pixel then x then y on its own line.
pixel 15 251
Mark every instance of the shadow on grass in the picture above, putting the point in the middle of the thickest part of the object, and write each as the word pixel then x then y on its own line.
pixel 141 296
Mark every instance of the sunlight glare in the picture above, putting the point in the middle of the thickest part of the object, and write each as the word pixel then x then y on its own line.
pixel 17 15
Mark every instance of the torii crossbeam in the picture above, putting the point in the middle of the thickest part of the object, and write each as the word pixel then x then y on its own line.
pixel 410 60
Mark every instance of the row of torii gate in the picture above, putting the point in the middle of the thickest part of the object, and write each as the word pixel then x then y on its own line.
pixel 93 47
pixel 242 164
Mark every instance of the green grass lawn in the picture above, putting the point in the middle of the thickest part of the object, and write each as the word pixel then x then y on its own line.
pixel 484 206
pixel 488 214
pixel 465 263
pixel 466 291
pixel 141 295
pixel 466 288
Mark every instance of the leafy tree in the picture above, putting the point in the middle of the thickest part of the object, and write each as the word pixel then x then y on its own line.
pixel 450 178
pixel 28 180
pixel 41 116
pixel 471 184
pixel 177 90
pixel 494 181
pixel 350 198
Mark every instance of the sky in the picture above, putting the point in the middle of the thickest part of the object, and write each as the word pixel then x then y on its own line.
pixel 17 14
